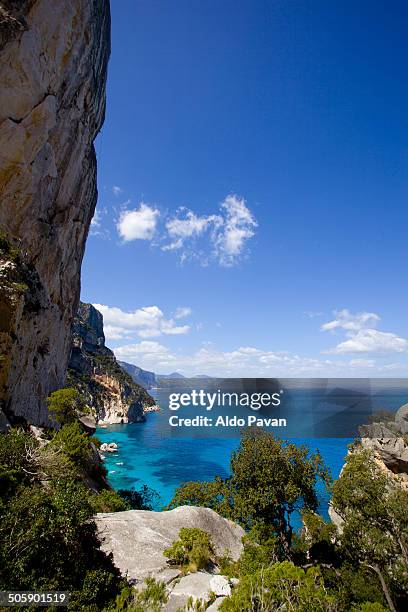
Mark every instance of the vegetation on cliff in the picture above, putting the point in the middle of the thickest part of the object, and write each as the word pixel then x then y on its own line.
pixel 47 538
pixel 105 387
pixel 270 482
pixel 362 564
pixel 192 551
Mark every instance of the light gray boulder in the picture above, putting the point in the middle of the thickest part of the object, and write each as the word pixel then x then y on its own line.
pixel 199 586
pixel 220 586
pixel 401 416
pixel 138 538
pixel 392 451
pixel 196 587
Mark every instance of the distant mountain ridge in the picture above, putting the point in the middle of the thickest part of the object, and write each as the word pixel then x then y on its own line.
pixel 149 380
pixel 173 375
pixel 142 377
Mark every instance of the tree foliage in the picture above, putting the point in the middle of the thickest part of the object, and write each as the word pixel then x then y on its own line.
pixel 193 549
pixel 108 501
pixel 64 404
pixel 149 598
pixel 48 540
pixel 283 586
pixel 374 534
pixel 270 481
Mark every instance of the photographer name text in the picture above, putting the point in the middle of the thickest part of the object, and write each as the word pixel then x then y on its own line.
pixel 225 421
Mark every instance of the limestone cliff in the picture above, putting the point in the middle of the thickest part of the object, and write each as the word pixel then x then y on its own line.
pixel 54 59
pixel 108 390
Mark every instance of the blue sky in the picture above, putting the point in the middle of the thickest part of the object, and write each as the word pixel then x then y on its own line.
pixel 253 188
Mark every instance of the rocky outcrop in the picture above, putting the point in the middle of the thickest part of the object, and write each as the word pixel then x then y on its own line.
pixel 52 104
pixel 137 538
pixel 197 588
pixel 388 441
pixel 142 377
pixel 392 452
pixel 106 388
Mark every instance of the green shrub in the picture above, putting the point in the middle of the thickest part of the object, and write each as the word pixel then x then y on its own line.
pixel 368 606
pixel 17 453
pixel 143 499
pixel 63 405
pixel 281 587
pixel 108 501
pixel 7 249
pixel 47 540
pixel 74 443
pixel 374 537
pixel 151 598
pixel 192 550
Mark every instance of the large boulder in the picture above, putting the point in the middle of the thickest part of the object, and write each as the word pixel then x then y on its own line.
pixel 138 538
pixel 393 452
pixel 401 417
pixel 198 587
pixel 194 587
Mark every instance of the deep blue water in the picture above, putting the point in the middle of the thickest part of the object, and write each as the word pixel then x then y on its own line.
pixel 147 455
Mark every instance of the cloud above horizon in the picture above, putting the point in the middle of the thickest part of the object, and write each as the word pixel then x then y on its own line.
pixel 116 190
pixel 221 238
pixel 244 361
pixel 147 322
pixel 139 223
pixel 226 233
pixel 362 337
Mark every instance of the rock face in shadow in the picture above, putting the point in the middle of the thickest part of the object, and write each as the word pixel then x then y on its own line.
pixel 107 389
pixel 137 538
pixel 53 68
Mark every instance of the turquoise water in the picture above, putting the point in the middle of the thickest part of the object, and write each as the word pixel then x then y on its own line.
pixel 148 456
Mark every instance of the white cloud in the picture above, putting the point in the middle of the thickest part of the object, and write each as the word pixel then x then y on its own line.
pixel 96 224
pixel 138 224
pixel 362 363
pixel 147 322
pixel 345 320
pixel 241 362
pixel 185 228
pixel 96 219
pixel 389 367
pixel 371 341
pixel 117 190
pixel 361 335
pixel 191 225
pixel 96 227
pixel 223 236
pixel 247 361
pixel 182 312
pixel 238 227
pixel 145 348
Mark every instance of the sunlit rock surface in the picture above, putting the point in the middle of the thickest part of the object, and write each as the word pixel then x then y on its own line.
pixel 53 67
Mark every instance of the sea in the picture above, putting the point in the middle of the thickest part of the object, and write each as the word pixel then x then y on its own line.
pixel 148 455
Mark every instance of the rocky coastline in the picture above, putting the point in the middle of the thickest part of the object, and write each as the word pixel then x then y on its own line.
pixel 109 392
